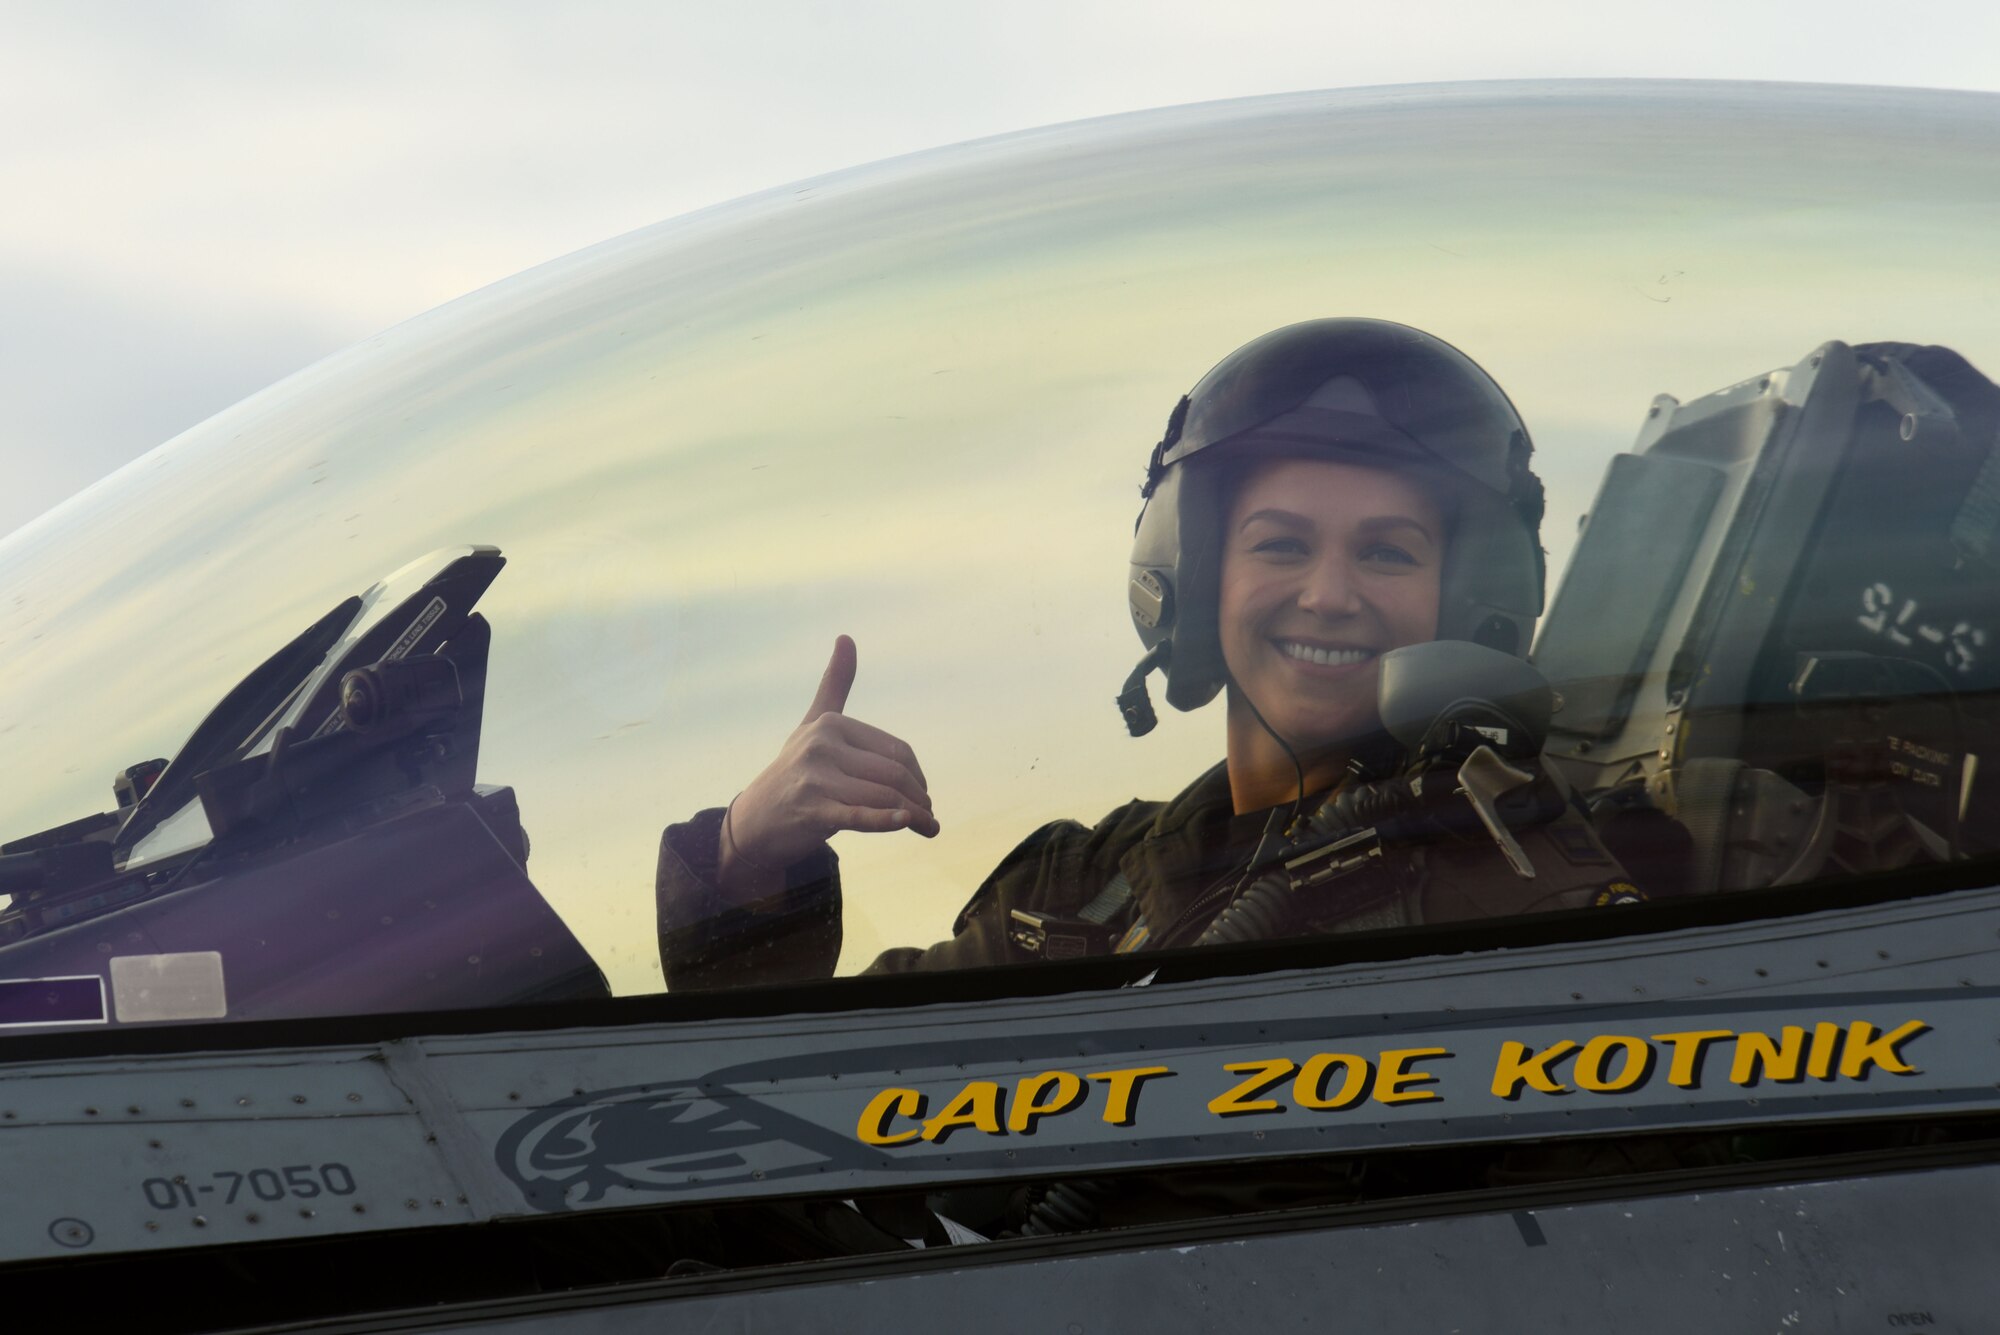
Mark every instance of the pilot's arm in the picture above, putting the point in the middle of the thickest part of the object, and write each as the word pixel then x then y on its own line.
pixel 709 940
pixel 750 893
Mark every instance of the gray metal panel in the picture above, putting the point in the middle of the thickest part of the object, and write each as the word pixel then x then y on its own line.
pixel 87 1141
pixel 1907 1251
pixel 483 1126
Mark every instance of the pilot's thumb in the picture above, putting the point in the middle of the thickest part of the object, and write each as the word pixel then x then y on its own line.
pixel 835 682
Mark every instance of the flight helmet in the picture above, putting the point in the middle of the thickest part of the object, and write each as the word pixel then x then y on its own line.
pixel 1367 392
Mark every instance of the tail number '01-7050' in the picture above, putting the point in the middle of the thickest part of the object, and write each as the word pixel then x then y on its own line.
pixel 301 1181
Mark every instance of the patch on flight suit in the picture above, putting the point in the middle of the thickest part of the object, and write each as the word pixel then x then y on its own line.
pixel 1618 892
pixel 1575 843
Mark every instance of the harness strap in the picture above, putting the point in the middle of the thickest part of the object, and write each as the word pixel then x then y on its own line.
pixel 1110 901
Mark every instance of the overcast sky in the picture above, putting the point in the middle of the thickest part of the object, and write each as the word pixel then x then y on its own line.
pixel 201 198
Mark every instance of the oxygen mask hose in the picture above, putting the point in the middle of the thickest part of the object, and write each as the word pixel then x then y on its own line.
pixel 1258 914
pixel 1066 1207
pixel 1346 830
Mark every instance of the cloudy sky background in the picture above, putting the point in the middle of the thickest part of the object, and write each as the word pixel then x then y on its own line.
pixel 203 198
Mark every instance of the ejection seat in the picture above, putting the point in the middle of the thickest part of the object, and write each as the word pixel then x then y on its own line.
pixel 1778 644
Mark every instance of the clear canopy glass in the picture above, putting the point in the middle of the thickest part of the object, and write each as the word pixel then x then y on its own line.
pixel 913 404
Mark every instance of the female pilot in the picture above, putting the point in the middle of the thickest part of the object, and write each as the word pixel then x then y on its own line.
pixel 1330 491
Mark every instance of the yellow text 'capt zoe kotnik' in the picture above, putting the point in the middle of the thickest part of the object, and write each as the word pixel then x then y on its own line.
pixel 1331 1082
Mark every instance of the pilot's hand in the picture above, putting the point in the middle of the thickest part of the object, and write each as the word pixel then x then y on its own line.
pixel 833 773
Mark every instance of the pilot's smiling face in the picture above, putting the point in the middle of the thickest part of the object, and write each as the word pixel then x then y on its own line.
pixel 1325 567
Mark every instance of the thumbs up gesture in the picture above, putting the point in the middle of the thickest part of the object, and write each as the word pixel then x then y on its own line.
pixel 833 773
